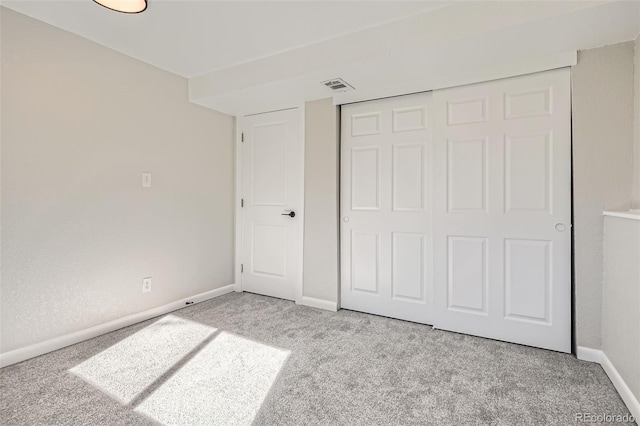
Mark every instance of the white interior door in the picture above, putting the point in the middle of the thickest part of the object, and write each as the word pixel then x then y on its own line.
pixel 502 209
pixel 272 192
pixel 386 208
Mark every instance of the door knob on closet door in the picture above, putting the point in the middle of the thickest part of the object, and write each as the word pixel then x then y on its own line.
pixel 561 227
pixel 290 214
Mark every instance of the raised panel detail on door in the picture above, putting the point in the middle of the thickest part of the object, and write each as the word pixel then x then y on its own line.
pixel 269 250
pixel 365 124
pixel 408 258
pixel 502 209
pixel 527 280
pixel 408 177
pixel 408 119
pixel 467 274
pixel 364 262
pixel 269 165
pixel 528 103
pixel 466 175
pixel 386 208
pixel 465 111
pixel 365 177
pixel 468 228
pixel 527 172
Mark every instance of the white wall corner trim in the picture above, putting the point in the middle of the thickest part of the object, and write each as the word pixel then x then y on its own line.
pixel 597 356
pixel 22 354
pixel 326 305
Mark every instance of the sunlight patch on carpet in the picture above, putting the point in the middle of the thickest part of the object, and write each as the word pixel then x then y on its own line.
pixel 127 368
pixel 225 383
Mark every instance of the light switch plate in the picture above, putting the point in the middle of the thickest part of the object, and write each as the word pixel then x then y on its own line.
pixel 146 285
pixel 146 180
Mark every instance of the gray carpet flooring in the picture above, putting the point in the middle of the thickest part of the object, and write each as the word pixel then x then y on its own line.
pixel 244 358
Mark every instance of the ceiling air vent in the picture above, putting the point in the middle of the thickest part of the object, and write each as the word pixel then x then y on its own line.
pixel 338 85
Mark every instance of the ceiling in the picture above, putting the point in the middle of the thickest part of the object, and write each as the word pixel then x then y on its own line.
pixel 463 43
pixel 191 38
pixel 244 57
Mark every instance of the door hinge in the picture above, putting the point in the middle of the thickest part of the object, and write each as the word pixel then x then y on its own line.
pixel 241 202
pixel 241 268
pixel 242 137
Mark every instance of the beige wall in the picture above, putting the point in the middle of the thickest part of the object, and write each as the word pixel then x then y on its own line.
pixel 621 280
pixel 602 91
pixel 321 201
pixel 621 316
pixel 80 123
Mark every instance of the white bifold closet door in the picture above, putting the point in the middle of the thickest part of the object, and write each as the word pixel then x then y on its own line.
pixel 502 209
pixel 386 208
pixel 470 232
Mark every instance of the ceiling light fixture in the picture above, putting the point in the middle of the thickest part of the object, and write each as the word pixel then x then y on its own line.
pixel 124 6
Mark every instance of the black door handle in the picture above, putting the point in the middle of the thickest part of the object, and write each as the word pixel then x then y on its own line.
pixel 290 214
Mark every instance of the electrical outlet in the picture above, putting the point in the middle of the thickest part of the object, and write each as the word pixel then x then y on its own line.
pixel 146 285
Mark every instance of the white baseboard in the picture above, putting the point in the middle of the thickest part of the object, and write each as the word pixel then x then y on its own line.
pixel 594 355
pixel 588 354
pixel 627 396
pixel 319 304
pixel 21 354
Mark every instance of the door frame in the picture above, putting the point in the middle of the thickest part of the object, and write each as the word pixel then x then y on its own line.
pixel 239 129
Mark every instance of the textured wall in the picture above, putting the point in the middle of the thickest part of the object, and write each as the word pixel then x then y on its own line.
pixel 621 316
pixel 321 201
pixel 80 123
pixel 602 91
